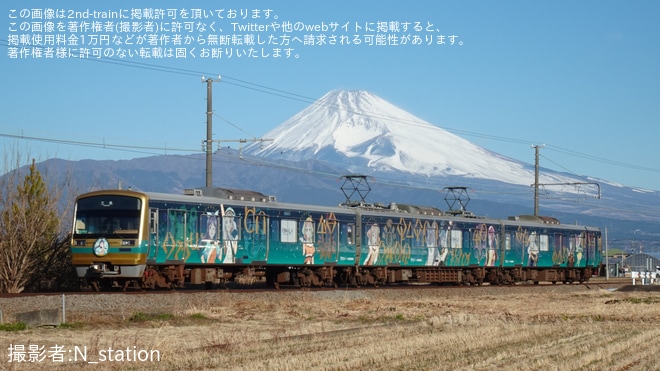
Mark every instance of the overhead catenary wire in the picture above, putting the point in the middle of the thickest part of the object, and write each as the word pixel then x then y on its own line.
pixel 106 145
pixel 253 161
pixel 229 80
pixel 399 185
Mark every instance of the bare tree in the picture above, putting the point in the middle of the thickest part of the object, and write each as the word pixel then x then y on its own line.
pixel 30 233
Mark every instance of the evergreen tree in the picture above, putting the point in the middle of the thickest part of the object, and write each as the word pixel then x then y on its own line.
pixel 29 231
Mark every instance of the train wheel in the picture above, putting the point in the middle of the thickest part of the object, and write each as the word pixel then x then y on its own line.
pixel 133 284
pixel 348 277
pixel 95 285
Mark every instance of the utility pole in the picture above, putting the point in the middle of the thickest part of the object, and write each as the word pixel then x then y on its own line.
pixel 209 130
pixel 537 184
pixel 207 144
pixel 607 262
pixel 536 179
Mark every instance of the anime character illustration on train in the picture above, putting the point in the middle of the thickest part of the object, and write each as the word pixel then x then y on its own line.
pixel 229 234
pixel 307 240
pixel 212 236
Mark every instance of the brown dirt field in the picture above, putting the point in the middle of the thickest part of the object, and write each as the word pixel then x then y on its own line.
pixel 599 326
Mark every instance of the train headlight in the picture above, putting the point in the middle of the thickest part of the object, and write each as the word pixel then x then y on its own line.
pixel 128 242
pixel 80 243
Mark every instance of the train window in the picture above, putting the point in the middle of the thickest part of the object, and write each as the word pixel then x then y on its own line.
pixel 80 226
pixel 350 235
pixel 274 230
pixel 576 242
pixel 209 227
pixel 230 231
pixel 444 238
pixel 289 231
pixel 544 244
pixel 153 220
pixel 507 241
pixel 177 223
pixel 109 203
pixel 347 234
pixel 107 222
pixel 431 234
pixel 308 231
pixel 389 234
pixel 456 239
pixel 372 233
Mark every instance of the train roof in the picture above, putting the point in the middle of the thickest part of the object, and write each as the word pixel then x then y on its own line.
pixel 230 194
pixel 241 196
pixel 536 218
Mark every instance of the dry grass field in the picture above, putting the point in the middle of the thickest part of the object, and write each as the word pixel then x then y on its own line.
pixel 563 327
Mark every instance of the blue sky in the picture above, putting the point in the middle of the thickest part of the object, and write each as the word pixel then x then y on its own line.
pixel 581 77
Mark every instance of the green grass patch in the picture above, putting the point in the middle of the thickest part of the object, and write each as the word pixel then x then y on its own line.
pixel 648 300
pixel 144 317
pixel 16 326
pixel 72 325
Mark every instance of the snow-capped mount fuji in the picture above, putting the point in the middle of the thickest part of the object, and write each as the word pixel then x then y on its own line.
pixel 362 131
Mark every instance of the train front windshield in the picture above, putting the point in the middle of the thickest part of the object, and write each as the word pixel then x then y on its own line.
pixel 107 215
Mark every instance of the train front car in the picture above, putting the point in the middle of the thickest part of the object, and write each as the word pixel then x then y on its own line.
pixel 109 243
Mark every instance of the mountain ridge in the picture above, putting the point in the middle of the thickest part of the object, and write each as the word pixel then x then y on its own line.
pixel 358 127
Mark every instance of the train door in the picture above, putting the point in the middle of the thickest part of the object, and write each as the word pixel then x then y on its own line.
pixel 174 244
pixel 346 248
pixel 506 257
pixel 592 246
pixel 154 240
pixel 328 238
pixel 254 236
pixel 358 237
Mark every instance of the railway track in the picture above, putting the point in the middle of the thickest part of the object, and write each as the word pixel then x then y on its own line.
pixel 260 287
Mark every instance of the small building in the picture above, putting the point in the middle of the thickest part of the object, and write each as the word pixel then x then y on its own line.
pixel 642 262
pixel 613 263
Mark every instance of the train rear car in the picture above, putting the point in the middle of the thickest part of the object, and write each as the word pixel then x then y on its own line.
pixel 424 245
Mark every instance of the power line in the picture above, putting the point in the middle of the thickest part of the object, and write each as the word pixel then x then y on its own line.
pixel 285 94
pixel 603 160
pixel 301 98
pixel 265 163
pixel 233 125
pixel 130 148
pixel 400 185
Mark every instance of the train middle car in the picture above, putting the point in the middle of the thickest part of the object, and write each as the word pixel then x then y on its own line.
pixel 123 238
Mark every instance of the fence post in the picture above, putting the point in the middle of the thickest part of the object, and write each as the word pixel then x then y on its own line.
pixel 63 309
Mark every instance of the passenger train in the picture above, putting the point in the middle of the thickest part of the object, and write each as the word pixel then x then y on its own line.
pixel 127 239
